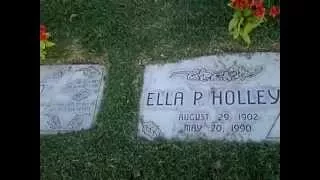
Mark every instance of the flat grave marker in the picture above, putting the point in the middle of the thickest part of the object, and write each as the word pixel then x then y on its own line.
pixel 70 97
pixel 223 97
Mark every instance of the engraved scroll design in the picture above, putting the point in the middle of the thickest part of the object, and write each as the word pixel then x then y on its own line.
pixel 90 72
pixel 233 73
pixel 151 129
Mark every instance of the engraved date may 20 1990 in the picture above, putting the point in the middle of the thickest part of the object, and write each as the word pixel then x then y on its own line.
pixel 235 127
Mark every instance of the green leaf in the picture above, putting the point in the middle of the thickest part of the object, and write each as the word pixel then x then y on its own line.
pixel 249 27
pixel 240 23
pixel 255 20
pixel 43 52
pixel 269 4
pixel 246 38
pixel 49 44
pixel 247 12
pixel 42 55
pixel 233 24
pixel 237 14
pixel 235 34
pixel 252 19
pixel 236 31
pixel 42 45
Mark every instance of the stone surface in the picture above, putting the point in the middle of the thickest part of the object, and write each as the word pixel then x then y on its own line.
pixel 225 97
pixel 70 97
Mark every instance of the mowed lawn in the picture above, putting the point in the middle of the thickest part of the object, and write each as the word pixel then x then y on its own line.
pixel 125 36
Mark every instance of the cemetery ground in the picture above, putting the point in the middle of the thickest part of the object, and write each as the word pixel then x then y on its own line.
pixel 125 36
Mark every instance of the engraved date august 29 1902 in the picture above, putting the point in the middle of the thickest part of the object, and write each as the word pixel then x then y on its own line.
pixel 226 116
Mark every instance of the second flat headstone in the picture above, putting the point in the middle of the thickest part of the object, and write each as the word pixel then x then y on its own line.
pixel 70 97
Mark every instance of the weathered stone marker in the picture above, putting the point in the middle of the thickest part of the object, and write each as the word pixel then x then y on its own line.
pixel 70 96
pixel 231 97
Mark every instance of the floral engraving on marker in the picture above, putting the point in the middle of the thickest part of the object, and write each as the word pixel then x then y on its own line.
pixel 151 129
pixel 54 121
pixel 81 95
pixel 233 73
pixel 77 121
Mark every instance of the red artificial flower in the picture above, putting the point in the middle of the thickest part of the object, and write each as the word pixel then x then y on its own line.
pixel 240 4
pixel 260 12
pixel 274 11
pixel 43 33
pixel 258 7
pixel 43 28
pixel 43 36
pixel 257 4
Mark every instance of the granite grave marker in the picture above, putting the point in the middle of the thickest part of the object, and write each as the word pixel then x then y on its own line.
pixel 70 97
pixel 223 97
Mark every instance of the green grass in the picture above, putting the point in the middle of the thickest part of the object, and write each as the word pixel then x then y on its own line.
pixel 125 36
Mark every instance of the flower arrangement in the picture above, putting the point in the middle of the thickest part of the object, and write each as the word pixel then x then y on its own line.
pixel 44 42
pixel 248 15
